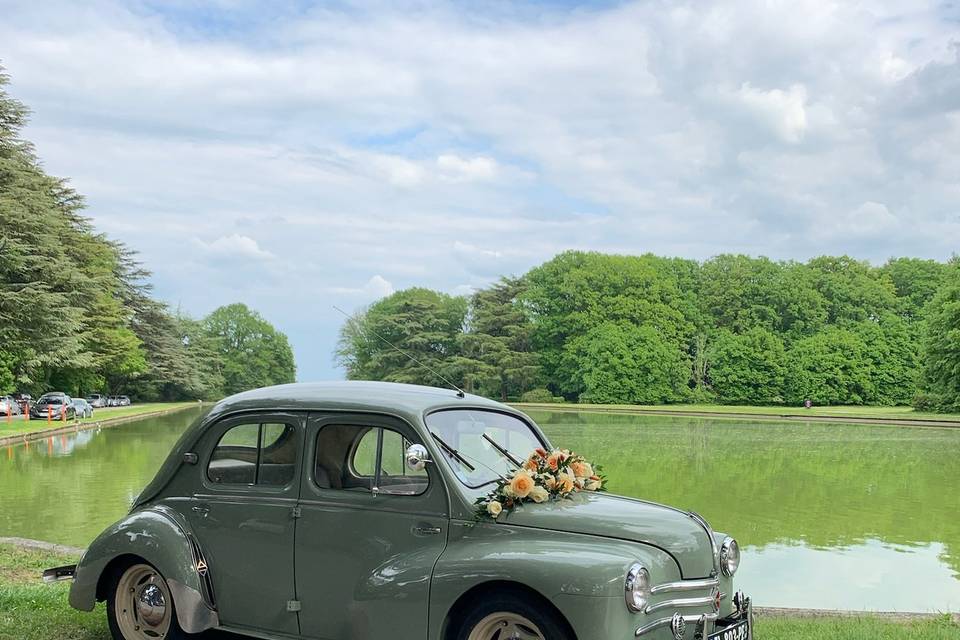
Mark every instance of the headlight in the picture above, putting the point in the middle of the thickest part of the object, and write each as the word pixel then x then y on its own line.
pixel 637 588
pixel 729 556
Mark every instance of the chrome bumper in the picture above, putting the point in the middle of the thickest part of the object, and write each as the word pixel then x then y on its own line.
pixel 702 624
pixel 60 573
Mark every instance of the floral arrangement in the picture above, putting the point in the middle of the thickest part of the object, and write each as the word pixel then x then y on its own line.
pixel 553 475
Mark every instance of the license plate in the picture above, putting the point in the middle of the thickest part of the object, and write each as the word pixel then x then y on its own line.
pixel 739 631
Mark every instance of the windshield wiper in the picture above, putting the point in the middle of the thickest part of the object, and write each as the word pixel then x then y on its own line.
pixel 509 456
pixel 452 452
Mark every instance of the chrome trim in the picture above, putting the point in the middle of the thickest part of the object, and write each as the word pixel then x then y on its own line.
pixel 663 622
pixel 683 603
pixel 713 543
pixel 686 585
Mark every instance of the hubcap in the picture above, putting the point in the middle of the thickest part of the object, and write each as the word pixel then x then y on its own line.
pixel 505 625
pixel 140 604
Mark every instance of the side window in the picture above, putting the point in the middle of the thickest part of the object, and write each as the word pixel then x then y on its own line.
pixel 356 458
pixel 262 454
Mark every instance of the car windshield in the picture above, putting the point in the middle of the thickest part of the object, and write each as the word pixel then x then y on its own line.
pixel 50 400
pixel 481 446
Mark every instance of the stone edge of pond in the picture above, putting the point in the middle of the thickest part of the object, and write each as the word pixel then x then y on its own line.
pixel 764 612
pixel 720 415
pixel 30 436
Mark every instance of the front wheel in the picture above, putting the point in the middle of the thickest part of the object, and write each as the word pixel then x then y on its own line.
pixel 511 618
pixel 140 607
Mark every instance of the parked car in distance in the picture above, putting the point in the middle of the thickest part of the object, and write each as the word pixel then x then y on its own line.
pixel 348 511
pixel 97 400
pixel 124 401
pixel 113 401
pixel 24 399
pixel 9 406
pixel 83 408
pixel 56 405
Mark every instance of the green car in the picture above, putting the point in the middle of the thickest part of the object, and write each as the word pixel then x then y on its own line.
pixel 347 511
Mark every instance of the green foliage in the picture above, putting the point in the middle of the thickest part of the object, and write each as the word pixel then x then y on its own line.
pixel 537 395
pixel 75 310
pixel 748 368
pixel 250 351
pixel 620 363
pixel 941 346
pixel 618 329
pixel 378 344
pixel 497 359
pixel 828 368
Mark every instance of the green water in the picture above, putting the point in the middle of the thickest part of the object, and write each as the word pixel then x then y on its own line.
pixel 830 516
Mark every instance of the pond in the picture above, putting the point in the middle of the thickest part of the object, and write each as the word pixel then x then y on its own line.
pixel 830 516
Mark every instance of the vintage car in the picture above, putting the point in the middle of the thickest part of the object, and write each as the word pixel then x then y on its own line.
pixel 347 511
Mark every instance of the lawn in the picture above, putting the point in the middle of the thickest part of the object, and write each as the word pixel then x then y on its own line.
pixel 853 412
pixel 18 425
pixel 32 610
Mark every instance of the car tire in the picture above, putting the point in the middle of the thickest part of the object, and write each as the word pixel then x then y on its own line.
pixel 139 605
pixel 511 616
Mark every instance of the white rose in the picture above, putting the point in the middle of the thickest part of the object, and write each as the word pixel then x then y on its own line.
pixel 539 494
pixel 593 485
pixel 494 508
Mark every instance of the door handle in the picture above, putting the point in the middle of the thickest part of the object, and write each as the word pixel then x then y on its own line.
pixel 201 510
pixel 426 530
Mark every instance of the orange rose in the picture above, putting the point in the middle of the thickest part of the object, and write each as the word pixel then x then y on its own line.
pixel 553 460
pixel 531 464
pixel 521 484
pixel 540 451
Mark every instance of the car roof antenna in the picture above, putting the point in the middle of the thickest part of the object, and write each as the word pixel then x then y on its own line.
pixel 460 393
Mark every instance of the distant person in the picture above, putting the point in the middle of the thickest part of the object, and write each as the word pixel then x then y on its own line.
pixel 808 403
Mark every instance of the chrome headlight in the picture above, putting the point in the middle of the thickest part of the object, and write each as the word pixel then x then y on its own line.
pixel 729 556
pixel 637 588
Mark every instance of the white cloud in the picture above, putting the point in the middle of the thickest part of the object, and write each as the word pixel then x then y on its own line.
pixel 782 111
pixel 234 246
pixel 375 288
pixel 453 167
pixel 443 148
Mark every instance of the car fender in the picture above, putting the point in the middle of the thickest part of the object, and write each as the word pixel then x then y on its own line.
pixel 581 575
pixel 162 537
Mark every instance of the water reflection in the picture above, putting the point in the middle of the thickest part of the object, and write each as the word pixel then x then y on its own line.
pixel 67 488
pixel 822 509
pixel 830 516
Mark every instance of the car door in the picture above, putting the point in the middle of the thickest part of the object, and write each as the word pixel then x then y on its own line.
pixel 243 515
pixel 369 533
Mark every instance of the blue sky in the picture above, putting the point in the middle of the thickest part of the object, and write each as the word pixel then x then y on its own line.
pixel 297 155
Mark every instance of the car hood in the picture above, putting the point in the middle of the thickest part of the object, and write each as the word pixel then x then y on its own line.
pixel 602 514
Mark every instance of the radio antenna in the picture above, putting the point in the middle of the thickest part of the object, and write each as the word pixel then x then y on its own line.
pixel 351 319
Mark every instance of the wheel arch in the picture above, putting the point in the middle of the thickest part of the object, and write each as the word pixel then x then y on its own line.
pixel 499 587
pixel 159 537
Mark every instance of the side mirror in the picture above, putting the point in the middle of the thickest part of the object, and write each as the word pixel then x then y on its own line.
pixel 416 457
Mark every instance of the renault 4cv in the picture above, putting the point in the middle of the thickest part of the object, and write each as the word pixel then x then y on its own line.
pixel 347 511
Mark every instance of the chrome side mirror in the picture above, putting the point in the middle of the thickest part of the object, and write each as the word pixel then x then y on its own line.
pixel 416 457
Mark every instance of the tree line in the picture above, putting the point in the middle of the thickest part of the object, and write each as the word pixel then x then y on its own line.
pixel 646 329
pixel 76 312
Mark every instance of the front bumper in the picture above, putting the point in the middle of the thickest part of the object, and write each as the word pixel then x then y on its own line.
pixel 699 626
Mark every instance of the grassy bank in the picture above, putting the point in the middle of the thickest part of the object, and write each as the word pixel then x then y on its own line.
pixel 851 412
pixel 32 610
pixel 19 426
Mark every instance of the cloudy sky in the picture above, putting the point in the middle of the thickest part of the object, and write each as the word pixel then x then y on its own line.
pixel 299 155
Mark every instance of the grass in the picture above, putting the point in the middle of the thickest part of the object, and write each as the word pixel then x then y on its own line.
pixel 18 425
pixel 865 628
pixel 889 413
pixel 32 610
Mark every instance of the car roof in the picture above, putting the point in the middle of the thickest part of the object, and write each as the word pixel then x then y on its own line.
pixel 353 395
pixel 406 401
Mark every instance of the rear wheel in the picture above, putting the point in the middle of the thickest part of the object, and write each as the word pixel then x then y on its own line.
pixel 139 606
pixel 511 618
